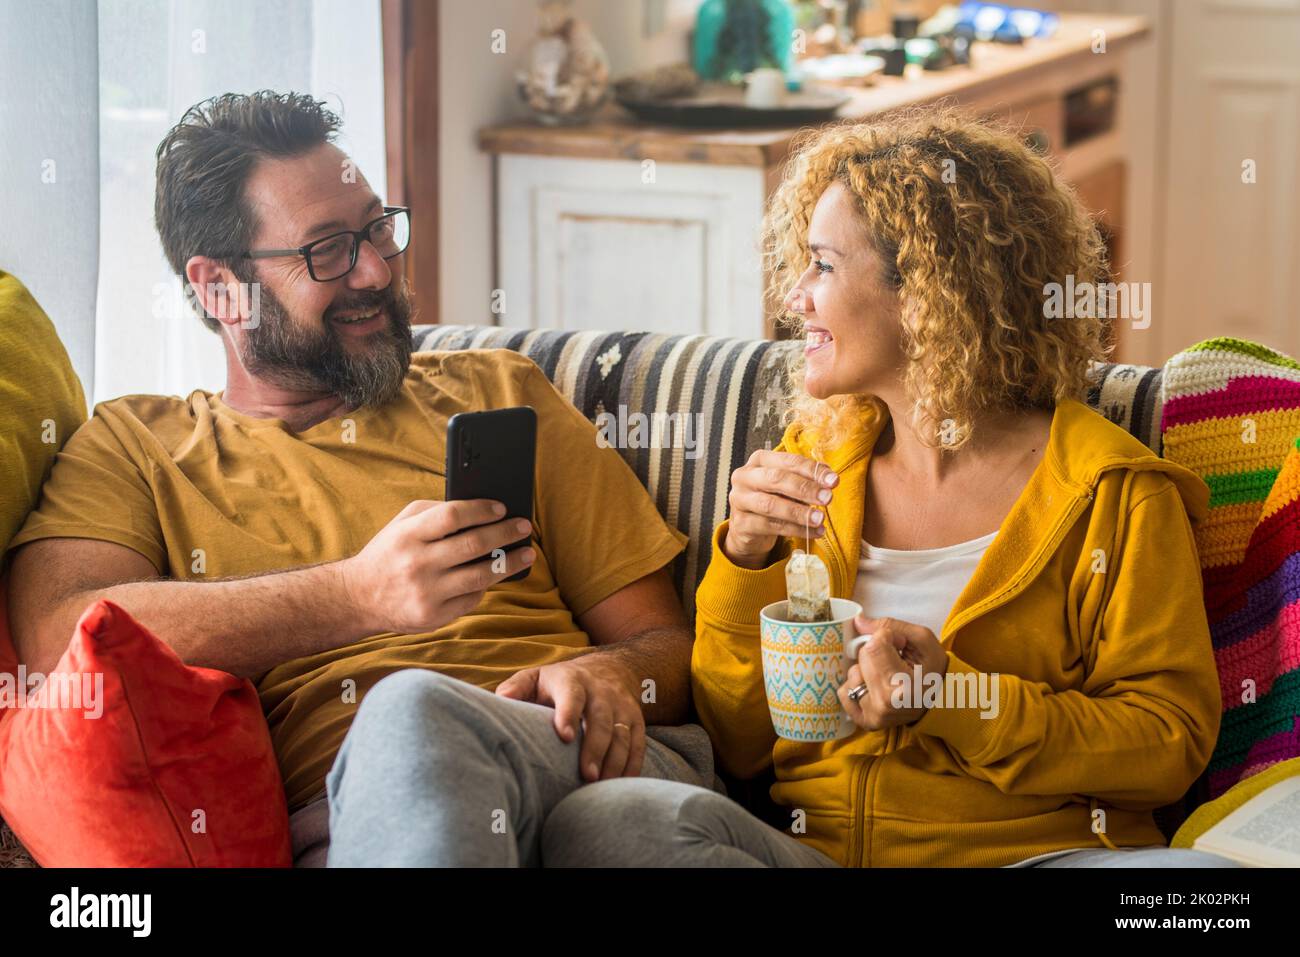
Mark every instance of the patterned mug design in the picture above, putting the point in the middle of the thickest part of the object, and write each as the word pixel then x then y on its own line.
pixel 804 664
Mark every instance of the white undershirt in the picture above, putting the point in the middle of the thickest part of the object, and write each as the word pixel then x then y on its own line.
pixel 916 585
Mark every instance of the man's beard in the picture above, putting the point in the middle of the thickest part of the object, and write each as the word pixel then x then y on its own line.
pixel 292 356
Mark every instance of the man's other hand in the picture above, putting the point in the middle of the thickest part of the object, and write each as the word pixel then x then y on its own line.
pixel 599 691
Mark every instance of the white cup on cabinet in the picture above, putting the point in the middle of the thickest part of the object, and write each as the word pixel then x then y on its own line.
pixel 764 88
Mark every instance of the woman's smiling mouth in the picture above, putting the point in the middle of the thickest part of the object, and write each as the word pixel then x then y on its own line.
pixel 816 338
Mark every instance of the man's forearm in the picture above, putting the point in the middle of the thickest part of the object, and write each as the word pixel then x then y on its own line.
pixel 663 658
pixel 243 625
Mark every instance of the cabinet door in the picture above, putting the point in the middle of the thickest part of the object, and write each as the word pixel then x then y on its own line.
pixel 612 244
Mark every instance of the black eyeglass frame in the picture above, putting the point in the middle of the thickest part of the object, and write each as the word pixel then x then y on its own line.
pixel 357 236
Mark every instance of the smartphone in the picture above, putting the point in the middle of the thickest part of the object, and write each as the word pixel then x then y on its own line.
pixel 492 455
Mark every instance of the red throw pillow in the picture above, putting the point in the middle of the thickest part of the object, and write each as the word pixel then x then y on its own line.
pixel 176 769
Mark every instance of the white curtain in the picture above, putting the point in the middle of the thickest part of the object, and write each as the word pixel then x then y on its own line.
pixel 155 59
pixel 49 197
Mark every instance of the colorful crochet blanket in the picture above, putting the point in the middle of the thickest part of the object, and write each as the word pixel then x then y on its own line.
pixel 1231 413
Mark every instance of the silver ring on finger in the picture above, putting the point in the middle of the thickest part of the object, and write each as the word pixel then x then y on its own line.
pixel 625 727
pixel 858 693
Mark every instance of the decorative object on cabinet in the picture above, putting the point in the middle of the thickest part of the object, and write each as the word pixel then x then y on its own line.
pixel 736 37
pixel 676 79
pixel 566 77
pixel 849 69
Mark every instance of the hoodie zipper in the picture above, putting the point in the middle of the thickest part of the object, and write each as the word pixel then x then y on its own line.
pixel 860 846
pixel 857 847
pixel 858 843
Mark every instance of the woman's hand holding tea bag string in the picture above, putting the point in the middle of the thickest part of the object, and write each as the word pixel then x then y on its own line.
pixel 895 647
pixel 775 495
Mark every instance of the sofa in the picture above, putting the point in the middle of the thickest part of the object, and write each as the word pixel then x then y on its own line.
pixel 733 391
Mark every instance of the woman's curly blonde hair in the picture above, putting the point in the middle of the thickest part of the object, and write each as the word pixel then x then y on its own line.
pixel 971 226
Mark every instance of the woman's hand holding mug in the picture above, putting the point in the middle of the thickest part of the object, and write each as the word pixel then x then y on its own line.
pixel 775 495
pixel 886 647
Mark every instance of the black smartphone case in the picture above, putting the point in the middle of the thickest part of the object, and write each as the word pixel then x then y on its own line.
pixel 492 455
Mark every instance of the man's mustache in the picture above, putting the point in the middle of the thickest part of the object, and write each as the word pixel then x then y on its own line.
pixel 385 300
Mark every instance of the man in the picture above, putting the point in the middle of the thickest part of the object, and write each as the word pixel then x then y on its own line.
pixel 292 528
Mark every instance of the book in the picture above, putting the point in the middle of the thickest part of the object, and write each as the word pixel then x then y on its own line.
pixel 1263 832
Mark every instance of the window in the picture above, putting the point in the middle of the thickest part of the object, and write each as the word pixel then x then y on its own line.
pixel 156 59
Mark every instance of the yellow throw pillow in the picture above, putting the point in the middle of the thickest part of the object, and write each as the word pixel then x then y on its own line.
pixel 41 403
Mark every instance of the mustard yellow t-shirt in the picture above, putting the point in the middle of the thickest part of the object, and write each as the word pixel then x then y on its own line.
pixel 205 492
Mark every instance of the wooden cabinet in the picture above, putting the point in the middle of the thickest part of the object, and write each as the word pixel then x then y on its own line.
pixel 626 244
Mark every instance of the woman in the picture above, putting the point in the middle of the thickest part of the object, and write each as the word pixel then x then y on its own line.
pixel 991 526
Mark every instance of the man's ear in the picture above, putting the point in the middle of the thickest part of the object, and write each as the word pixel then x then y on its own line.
pixel 220 292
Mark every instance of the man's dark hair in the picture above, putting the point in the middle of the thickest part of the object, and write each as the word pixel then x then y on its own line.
pixel 204 162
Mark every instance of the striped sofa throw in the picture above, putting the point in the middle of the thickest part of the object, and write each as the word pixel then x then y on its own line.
pixel 1231 413
pixel 735 387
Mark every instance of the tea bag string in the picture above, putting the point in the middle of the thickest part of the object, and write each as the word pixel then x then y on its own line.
pixel 807 532
pixel 820 470
pixel 807 516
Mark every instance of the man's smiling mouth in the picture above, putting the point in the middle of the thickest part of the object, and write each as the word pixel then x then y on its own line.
pixel 357 318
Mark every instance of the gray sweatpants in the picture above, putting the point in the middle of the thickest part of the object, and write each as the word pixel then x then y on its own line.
pixel 630 822
pixel 437 772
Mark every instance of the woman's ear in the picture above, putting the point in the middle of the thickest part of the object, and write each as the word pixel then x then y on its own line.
pixel 909 311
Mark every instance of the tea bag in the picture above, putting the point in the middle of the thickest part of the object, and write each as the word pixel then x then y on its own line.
pixel 807 583
pixel 808 587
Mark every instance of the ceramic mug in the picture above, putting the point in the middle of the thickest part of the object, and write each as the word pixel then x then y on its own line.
pixel 804 664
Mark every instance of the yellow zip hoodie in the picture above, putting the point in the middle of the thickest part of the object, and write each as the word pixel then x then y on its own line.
pixel 1087 611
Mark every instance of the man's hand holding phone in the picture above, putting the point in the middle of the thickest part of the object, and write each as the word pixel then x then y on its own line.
pixel 432 563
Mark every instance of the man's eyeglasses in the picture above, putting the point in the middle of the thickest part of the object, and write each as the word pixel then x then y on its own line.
pixel 334 256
